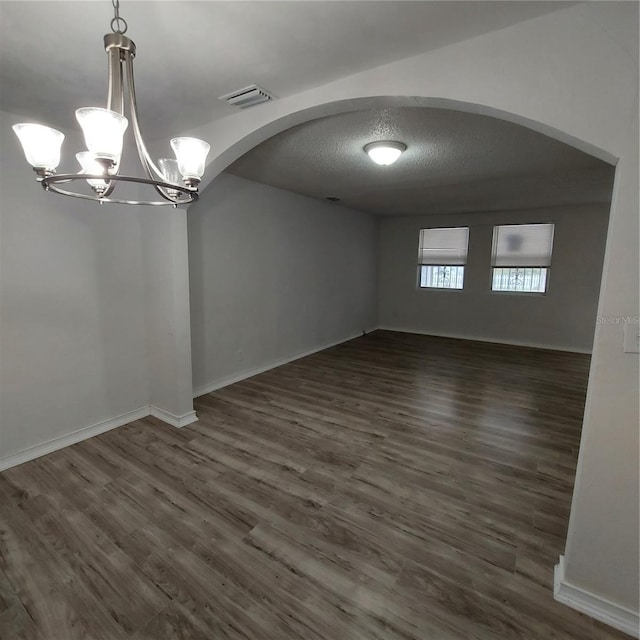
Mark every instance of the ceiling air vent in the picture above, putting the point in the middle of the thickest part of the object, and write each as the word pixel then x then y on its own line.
pixel 247 97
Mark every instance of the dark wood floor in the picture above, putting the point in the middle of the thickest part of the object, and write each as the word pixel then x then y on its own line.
pixel 393 487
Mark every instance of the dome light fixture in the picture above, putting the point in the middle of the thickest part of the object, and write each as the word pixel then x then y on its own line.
pixel 174 180
pixel 385 152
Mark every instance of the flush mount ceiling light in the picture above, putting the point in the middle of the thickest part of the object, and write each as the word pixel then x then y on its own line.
pixel 385 152
pixel 175 180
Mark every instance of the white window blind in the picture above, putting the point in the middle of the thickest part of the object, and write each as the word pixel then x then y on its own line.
pixel 522 245
pixel 443 246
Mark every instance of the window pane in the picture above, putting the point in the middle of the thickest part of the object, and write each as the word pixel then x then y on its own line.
pixel 525 280
pixel 442 277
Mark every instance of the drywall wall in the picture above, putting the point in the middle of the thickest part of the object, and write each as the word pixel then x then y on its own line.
pixel 601 555
pixel 563 318
pixel 273 275
pixel 72 317
pixel 572 74
pixel 168 325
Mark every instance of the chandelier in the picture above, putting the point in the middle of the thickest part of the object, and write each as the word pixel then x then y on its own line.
pixel 175 180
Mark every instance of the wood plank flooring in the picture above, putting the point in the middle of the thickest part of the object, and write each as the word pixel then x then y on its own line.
pixel 396 487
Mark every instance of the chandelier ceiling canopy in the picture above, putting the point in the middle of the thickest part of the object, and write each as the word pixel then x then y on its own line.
pixel 175 180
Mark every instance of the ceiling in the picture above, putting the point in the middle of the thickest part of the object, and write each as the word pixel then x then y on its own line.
pixel 190 53
pixel 454 162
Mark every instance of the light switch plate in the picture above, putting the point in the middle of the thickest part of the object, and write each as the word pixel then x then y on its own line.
pixel 631 337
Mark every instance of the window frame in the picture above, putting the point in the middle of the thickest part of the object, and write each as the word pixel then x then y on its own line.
pixel 421 288
pixel 547 267
pixel 420 265
pixel 520 293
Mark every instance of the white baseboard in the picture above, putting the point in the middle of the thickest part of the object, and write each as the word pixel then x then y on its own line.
pixel 95 430
pixel 72 438
pixel 513 343
pixel 593 605
pixel 170 418
pixel 249 373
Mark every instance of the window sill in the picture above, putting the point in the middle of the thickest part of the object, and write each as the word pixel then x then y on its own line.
pixel 520 293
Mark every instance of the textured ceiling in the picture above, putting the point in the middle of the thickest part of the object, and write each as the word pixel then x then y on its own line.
pixel 190 53
pixel 454 162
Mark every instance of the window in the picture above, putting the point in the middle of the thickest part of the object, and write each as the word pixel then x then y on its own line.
pixel 442 256
pixel 521 257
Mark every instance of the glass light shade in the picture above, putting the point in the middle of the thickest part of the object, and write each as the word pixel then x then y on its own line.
pixel 169 169
pixel 385 153
pixel 103 130
pixel 191 154
pixel 41 145
pixel 89 164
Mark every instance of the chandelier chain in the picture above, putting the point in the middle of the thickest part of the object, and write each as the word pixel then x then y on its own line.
pixel 121 25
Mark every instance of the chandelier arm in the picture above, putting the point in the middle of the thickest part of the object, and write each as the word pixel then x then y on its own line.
pixel 164 193
pixel 115 97
pixel 148 165
pixel 115 44
pixel 152 171
pixel 111 185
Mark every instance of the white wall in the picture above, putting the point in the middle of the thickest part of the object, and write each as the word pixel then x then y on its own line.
pixel 94 314
pixel 572 74
pixel 72 314
pixel 564 318
pixel 272 275
pixel 166 272
pixel 603 537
